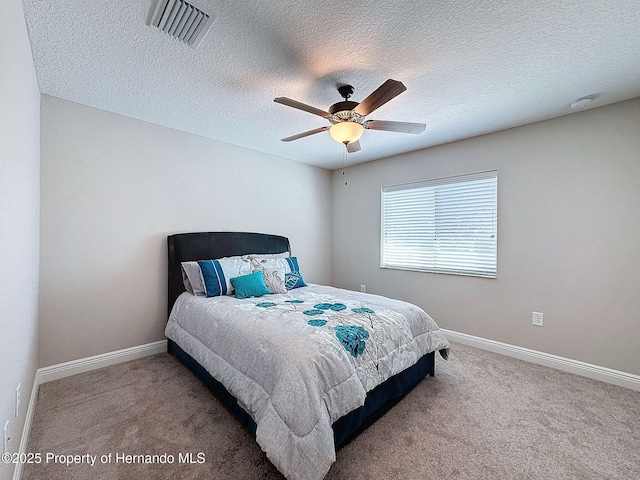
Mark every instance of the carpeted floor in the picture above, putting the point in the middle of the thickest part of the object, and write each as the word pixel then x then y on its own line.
pixel 483 416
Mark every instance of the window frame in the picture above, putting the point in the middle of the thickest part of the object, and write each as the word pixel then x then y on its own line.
pixel 438 184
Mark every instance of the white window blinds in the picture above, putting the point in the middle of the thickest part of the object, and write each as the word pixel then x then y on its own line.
pixel 447 225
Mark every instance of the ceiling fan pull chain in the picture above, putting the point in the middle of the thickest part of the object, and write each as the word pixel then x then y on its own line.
pixel 344 164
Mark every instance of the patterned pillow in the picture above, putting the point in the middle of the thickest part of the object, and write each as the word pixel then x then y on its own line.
pixel 274 279
pixel 293 278
pixel 217 274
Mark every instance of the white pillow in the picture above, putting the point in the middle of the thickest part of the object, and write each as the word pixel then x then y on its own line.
pixel 192 278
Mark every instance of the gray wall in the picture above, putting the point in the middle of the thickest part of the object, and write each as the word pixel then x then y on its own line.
pixel 568 236
pixel 113 188
pixel 19 219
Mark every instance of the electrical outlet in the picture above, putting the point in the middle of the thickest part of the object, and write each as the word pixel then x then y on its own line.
pixel 363 288
pixel 5 438
pixel 18 401
pixel 537 319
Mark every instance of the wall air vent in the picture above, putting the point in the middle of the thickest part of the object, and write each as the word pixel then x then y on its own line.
pixel 181 20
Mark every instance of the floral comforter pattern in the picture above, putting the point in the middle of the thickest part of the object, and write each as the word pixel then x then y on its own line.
pixel 299 361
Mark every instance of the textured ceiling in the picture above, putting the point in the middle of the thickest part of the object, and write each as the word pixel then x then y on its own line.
pixel 470 66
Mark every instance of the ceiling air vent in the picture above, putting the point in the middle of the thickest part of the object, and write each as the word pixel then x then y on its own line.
pixel 181 20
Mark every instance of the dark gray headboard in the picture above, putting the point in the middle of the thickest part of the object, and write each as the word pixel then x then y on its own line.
pixel 186 247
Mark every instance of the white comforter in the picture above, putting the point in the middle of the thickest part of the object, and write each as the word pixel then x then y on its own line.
pixel 297 362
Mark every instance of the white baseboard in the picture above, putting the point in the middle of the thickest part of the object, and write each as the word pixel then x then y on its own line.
pixel 66 369
pixel 608 375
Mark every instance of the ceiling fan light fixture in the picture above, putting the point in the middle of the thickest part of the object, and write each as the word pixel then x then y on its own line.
pixel 347 118
pixel 346 132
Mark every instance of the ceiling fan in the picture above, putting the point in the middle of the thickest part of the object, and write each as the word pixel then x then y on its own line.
pixel 348 117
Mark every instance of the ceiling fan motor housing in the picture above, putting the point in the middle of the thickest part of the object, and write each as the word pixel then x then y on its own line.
pixel 340 106
pixel 343 112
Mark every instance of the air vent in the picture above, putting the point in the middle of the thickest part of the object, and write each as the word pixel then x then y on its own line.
pixel 181 20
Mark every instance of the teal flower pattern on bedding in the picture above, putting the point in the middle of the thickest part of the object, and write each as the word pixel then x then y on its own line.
pixel 266 304
pixel 352 338
pixel 362 310
pixel 336 307
pixel 323 306
pixel 318 322
pixel 351 325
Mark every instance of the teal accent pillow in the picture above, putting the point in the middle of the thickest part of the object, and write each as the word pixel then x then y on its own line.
pixel 251 285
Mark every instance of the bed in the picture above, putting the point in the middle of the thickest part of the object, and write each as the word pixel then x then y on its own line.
pixel 305 369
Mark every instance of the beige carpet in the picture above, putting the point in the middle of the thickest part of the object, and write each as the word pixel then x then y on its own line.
pixel 484 416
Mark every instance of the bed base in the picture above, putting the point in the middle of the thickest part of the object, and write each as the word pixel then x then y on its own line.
pixel 378 402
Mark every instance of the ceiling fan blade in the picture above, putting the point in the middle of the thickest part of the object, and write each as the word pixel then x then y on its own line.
pixel 353 147
pixel 305 134
pixel 302 106
pixel 385 92
pixel 402 127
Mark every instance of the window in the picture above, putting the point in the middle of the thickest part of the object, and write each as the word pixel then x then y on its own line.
pixel 447 225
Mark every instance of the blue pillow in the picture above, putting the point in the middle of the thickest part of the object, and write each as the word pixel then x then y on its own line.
pixel 214 281
pixel 293 279
pixel 251 285
pixel 293 264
